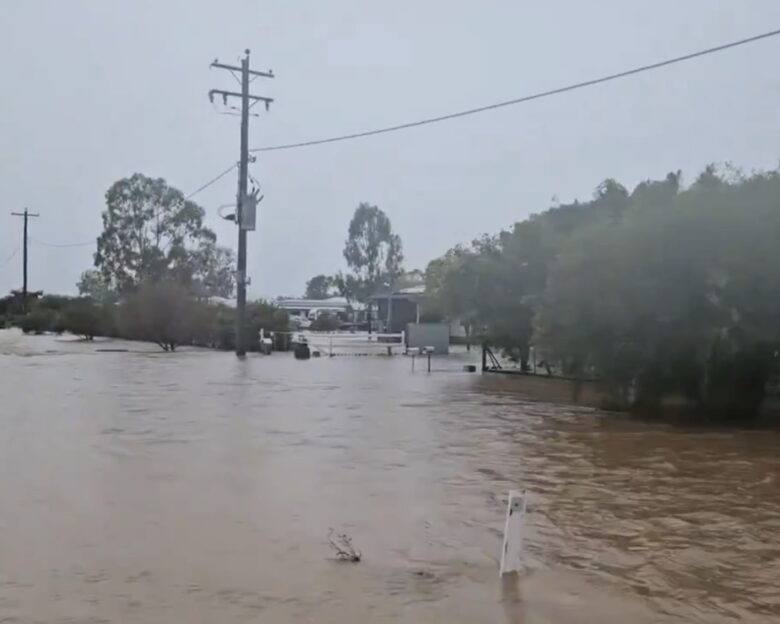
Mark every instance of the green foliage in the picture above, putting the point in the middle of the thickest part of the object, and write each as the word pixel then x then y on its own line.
pixel 205 325
pixel 37 321
pixel 213 270
pixel 372 251
pixel 10 305
pixel 214 326
pixel 165 313
pixel 92 284
pixel 320 287
pixel 488 288
pixel 152 233
pixel 52 303
pixel 83 317
pixel 43 313
pixel 661 292
pixel 159 312
pixel 109 323
pixel 223 329
pixel 350 287
pixel 266 316
pixel 681 299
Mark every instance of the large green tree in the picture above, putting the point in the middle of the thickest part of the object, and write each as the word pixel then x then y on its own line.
pixel 320 287
pixel 212 270
pixel 151 232
pixel 678 298
pixel 664 291
pixel 492 286
pixel 372 251
pixel 92 284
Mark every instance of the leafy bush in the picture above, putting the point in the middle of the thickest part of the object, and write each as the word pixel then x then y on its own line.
pixel 159 312
pixel 266 316
pixel 162 312
pixel 83 317
pixel 664 292
pixel 37 321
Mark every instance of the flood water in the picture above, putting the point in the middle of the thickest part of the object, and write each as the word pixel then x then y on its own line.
pixel 192 487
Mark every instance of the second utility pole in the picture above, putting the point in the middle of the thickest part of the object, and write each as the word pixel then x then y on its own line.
pixel 26 216
pixel 243 219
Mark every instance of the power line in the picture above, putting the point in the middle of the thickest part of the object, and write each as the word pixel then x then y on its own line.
pixel 212 181
pixel 527 98
pixel 11 256
pixel 93 241
pixel 481 109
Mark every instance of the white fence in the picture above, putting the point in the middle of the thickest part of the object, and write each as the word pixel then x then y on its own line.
pixel 334 344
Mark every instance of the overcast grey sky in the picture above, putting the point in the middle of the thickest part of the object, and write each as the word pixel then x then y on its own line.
pixel 95 90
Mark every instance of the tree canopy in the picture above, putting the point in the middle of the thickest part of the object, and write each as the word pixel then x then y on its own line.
pixel 320 287
pixel 372 251
pixel 152 232
pixel 92 284
pixel 662 291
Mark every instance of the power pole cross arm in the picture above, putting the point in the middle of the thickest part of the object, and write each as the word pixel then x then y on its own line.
pixel 226 94
pixel 218 65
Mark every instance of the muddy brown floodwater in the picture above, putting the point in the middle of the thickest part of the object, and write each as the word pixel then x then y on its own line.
pixel 186 488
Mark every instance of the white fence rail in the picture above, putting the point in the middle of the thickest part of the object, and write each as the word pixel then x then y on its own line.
pixel 335 344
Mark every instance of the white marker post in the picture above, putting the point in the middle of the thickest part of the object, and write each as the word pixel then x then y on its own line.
pixel 414 352
pixel 511 559
pixel 429 351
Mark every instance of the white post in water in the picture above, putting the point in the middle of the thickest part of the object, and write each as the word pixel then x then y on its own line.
pixel 429 351
pixel 414 352
pixel 511 553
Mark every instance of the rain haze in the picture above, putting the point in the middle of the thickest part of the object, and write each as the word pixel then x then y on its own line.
pixel 561 419
pixel 95 91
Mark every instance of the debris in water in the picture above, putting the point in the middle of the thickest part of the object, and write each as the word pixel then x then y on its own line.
pixel 345 551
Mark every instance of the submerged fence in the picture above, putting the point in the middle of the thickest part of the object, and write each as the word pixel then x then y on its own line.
pixel 333 344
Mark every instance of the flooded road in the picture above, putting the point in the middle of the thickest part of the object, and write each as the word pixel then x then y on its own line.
pixel 192 487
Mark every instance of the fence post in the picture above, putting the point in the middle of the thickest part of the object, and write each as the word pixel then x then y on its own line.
pixel 511 553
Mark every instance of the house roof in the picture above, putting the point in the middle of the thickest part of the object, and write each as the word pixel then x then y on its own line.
pixel 413 293
pixel 230 303
pixel 295 304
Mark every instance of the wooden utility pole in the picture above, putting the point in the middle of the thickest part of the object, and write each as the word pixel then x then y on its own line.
pixel 25 215
pixel 244 201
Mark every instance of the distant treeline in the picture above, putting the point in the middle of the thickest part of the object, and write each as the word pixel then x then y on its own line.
pixel 661 292
pixel 165 313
